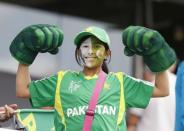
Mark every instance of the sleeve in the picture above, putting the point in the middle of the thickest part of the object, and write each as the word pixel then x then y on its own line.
pixel 137 92
pixel 42 91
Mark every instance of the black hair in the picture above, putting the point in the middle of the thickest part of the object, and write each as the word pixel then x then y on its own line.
pixel 79 59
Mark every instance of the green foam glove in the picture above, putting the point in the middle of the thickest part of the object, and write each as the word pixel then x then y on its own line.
pixel 20 52
pixel 36 38
pixel 157 54
pixel 43 38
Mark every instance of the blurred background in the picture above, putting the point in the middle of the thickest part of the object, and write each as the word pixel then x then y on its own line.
pixel 74 15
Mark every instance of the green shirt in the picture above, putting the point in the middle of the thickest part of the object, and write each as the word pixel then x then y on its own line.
pixel 75 92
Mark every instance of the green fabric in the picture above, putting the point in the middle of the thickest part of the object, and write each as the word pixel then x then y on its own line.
pixel 33 39
pixel 75 94
pixel 43 91
pixel 157 54
pixel 36 119
pixel 93 31
pixel 137 92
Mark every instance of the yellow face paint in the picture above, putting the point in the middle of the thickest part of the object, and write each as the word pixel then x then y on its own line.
pixel 93 52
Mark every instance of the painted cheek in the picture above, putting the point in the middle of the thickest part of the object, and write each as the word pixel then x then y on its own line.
pixel 84 52
pixel 100 54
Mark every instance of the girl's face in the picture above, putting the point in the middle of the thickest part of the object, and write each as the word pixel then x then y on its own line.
pixel 93 52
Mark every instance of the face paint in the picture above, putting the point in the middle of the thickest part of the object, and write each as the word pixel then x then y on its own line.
pixel 93 52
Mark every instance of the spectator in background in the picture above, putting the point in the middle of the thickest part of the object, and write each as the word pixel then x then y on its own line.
pixel 7 112
pixel 179 119
pixel 159 114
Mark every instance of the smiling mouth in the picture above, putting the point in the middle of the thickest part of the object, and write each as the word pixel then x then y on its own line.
pixel 90 57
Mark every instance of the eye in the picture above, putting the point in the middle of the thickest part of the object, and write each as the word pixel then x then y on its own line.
pixel 98 46
pixel 85 46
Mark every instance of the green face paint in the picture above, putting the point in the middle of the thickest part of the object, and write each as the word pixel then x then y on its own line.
pixel 93 52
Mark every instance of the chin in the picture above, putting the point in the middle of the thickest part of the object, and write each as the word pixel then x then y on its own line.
pixel 91 66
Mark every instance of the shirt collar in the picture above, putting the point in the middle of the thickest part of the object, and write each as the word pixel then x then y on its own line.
pixel 88 77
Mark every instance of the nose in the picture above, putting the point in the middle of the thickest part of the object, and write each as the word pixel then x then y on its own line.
pixel 91 50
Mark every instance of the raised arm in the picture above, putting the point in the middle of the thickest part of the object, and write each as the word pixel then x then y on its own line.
pixel 161 84
pixel 25 47
pixel 22 81
pixel 157 54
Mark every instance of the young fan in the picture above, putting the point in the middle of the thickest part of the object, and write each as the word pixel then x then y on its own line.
pixel 70 91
